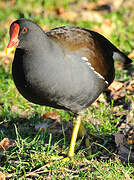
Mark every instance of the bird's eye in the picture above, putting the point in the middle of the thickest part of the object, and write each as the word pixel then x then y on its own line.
pixel 24 30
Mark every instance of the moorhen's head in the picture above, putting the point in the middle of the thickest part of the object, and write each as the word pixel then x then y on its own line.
pixel 23 34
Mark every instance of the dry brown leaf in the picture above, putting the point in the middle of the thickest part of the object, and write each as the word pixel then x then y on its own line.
pixel 130 141
pixel 116 90
pixel 115 86
pixel 5 144
pixel 2 176
pixel 51 115
pixel 60 11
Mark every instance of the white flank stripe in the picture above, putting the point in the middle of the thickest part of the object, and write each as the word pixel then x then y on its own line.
pixel 89 64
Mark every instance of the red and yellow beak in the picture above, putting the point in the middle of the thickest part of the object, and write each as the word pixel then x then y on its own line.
pixel 14 41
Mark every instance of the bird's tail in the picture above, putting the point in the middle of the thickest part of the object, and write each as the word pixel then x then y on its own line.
pixel 119 56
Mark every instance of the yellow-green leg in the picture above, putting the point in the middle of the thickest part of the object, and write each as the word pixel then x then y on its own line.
pixel 74 135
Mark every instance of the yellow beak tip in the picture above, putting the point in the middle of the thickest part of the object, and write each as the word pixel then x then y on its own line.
pixel 9 50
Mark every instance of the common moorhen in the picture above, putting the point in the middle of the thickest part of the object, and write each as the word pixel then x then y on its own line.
pixel 66 67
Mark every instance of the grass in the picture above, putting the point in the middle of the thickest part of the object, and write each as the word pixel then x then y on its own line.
pixel 36 153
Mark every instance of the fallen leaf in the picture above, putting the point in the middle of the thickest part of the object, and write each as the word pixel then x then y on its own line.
pixel 6 143
pixel 51 115
pixel 116 90
pixel 60 11
pixel 115 86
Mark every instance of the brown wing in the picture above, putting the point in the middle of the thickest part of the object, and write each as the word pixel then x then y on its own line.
pixel 88 44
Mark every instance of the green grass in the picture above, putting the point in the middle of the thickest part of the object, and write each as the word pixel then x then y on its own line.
pixel 37 152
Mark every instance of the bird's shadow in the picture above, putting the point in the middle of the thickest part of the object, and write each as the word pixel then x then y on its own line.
pixel 25 128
